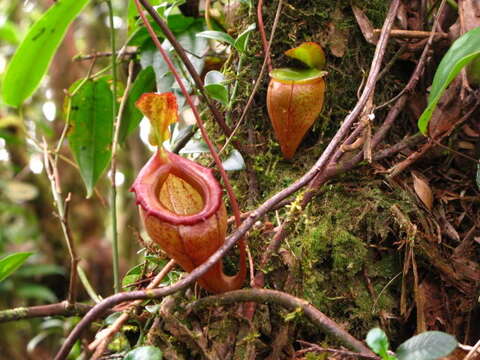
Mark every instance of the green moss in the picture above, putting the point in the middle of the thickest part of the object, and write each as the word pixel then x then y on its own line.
pixel 336 259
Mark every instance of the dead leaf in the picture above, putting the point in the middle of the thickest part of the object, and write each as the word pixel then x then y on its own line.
pixel 422 189
pixel 402 16
pixel 365 25
pixel 466 145
pixel 470 11
pixel 18 191
pixel 337 38
pixel 467 130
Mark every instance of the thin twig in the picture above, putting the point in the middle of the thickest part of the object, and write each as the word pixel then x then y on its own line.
pixel 448 148
pixel 473 351
pixel 188 65
pixel 291 302
pixel 55 188
pixel 398 168
pixel 259 79
pixel 103 54
pixel 102 342
pixel 413 34
pixel 421 62
pixel 113 199
pixel 317 348
pixel 87 285
pixel 261 28
pixel 113 172
pixel 63 308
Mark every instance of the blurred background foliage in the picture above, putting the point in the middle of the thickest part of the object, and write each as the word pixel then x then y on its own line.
pixel 27 214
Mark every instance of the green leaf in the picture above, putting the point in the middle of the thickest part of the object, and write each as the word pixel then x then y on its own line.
pixel 36 292
pixel 234 161
pixel 195 48
pixel 145 82
pixel 241 41
pixel 91 129
pixel 141 37
pixel 112 318
pixel 9 33
pixel 429 345
pixel 218 92
pixel 464 50
pixel 215 88
pixel 287 74
pixel 12 262
pixel 32 58
pixel 217 35
pixel 378 342
pixel 36 270
pixel 179 23
pixel 132 276
pixel 310 53
pixel 144 353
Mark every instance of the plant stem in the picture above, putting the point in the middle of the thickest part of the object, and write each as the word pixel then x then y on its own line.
pixel 259 79
pixel 113 195
pixel 233 95
pixel 52 175
pixel 63 308
pixel 87 285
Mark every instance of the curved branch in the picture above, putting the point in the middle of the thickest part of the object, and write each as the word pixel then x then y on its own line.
pixel 59 309
pixel 290 302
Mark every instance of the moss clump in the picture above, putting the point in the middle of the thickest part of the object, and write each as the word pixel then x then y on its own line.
pixel 336 259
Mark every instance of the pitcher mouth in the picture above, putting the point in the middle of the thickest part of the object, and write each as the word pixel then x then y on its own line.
pixel 154 174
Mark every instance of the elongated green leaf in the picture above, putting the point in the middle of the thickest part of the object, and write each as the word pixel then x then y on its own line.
pixel 217 35
pixel 32 58
pixel 12 262
pixel 429 345
pixel 9 33
pixel 144 353
pixel 91 129
pixel 464 50
pixel 241 41
pixel 38 270
pixel 145 82
pixel 37 292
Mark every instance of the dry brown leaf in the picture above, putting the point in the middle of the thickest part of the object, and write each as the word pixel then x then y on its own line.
pixel 466 145
pixel 422 189
pixel 470 11
pixel 402 16
pixel 469 131
pixel 337 38
pixel 365 25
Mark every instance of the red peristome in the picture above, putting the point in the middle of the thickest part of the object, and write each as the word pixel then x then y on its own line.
pixel 155 172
